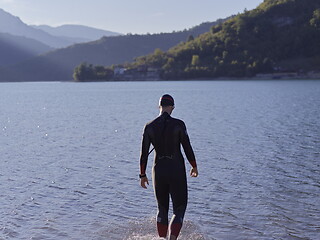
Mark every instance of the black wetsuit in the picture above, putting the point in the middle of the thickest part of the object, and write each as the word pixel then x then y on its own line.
pixel 169 174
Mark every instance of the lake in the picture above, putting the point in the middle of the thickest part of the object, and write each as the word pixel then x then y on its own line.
pixel 70 159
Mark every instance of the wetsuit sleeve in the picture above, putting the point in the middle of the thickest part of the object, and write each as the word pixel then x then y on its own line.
pixel 185 141
pixel 144 151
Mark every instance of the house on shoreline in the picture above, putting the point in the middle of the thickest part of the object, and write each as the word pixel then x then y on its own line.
pixel 142 73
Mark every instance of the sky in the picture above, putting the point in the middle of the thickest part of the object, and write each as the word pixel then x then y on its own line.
pixel 126 16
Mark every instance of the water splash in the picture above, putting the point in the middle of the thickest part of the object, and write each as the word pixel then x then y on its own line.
pixel 146 230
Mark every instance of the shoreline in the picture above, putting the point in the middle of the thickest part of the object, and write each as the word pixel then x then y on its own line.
pixel 255 78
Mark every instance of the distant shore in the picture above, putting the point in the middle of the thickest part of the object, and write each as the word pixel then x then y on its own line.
pixel 258 77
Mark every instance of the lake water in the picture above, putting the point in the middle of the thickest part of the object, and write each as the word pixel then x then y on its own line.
pixel 70 159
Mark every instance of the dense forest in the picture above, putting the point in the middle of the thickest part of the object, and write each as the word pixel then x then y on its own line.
pixel 277 36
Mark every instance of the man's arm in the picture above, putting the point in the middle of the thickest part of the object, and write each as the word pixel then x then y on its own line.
pixel 185 141
pixel 144 158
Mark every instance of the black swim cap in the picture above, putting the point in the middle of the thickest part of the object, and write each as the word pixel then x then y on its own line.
pixel 166 100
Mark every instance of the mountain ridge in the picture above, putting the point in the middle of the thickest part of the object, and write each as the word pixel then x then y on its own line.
pixel 76 33
pixel 56 37
pixel 58 65
pixel 14 26
pixel 20 42
pixel 15 49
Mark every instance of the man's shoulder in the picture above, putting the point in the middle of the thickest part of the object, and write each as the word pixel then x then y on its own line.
pixel 156 121
pixel 178 121
pixel 152 122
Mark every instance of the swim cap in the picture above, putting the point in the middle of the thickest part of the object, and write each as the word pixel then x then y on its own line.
pixel 166 100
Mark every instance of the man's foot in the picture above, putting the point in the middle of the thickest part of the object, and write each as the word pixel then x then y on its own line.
pixel 162 230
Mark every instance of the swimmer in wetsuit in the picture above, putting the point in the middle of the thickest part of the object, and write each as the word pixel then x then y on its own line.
pixel 166 134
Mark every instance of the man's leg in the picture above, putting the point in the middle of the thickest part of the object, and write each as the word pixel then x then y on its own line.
pixel 177 221
pixel 179 195
pixel 162 196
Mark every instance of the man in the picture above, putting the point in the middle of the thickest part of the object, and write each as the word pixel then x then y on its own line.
pixel 168 172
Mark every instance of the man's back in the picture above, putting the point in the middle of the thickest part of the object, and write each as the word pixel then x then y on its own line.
pixel 166 134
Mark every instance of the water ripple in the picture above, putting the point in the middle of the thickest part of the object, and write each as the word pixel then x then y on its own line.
pixel 70 160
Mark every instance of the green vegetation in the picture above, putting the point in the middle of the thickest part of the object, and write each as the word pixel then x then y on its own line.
pixel 85 72
pixel 277 36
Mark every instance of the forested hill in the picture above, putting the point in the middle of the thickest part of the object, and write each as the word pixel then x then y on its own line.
pixel 277 36
pixel 58 65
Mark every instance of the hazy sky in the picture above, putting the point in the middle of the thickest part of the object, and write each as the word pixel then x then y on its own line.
pixel 126 16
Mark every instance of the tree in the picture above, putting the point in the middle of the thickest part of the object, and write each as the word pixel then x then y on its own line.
pixel 215 29
pixel 83 72
pixel 315 21
pixel 158 52
pixel 190 38
pixel 195 60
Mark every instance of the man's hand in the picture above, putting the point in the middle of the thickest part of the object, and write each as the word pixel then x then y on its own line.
pixel 143 182
pixel 194 172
